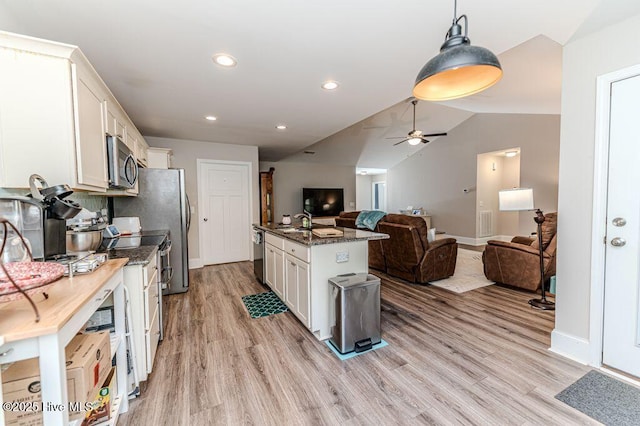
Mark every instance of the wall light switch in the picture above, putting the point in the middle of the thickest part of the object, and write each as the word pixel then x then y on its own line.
pixel 352 204
pixel 342 256
pixel 193 209
pixel 481 203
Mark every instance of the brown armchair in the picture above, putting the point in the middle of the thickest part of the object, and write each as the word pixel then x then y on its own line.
pixel 376 256
pixel 408 253
pixel 517 263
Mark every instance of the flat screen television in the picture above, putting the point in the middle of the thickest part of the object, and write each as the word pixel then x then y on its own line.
pixel 323 201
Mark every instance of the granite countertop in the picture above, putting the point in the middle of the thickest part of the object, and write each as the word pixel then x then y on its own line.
pixel 141 255
pixel 307 238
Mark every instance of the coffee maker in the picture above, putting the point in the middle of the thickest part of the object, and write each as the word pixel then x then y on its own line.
pixel 41 217
pixel 45 233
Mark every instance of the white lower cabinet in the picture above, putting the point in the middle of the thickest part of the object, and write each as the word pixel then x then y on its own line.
pixel 141 282
pixel 297 282
pixel 299 274
pixel 274 259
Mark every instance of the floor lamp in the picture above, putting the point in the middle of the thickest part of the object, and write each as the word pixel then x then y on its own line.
pixel 519 199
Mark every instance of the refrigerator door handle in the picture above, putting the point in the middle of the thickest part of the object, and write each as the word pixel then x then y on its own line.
pixel 188 211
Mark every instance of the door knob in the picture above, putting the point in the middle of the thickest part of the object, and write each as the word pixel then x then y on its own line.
pixel 205 219
pixel 619 221
pixel 618 242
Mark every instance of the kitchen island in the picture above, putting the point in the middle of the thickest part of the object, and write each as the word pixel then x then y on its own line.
pixel 299 265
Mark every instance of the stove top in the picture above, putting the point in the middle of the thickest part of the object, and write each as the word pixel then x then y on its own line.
pixel 134 241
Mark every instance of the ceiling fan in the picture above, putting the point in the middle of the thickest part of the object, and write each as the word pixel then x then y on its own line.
pixel 415 136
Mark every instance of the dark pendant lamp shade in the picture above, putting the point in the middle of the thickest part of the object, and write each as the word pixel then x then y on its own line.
pixel 459 69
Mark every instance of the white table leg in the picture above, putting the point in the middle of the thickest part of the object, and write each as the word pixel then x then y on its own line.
pixel 53 380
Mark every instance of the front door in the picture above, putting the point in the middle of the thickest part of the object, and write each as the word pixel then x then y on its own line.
pixel 621 340
pixel 225 217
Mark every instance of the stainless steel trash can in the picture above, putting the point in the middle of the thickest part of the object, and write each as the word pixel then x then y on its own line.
pixel 355 311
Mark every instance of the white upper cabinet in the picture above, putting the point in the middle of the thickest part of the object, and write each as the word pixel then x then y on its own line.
pixel 54 113
pixel 91 150
pixel 159 158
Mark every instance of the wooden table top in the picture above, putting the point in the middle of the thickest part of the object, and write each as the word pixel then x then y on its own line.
pixel 66 297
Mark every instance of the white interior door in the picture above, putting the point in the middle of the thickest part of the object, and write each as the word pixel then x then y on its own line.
pixel 621 339
pixel 225 216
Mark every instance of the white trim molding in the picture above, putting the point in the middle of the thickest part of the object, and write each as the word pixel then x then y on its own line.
pixel 599 214
pixel 195 263
pixel 569 346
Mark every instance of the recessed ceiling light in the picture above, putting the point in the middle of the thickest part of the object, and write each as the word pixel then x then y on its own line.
pixel 211 118
pixel 511 153
pixel 364 172
pixel 330 85
pixel 225 60
pixel 281 127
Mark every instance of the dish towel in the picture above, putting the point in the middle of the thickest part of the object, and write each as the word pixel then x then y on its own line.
pixel 369 219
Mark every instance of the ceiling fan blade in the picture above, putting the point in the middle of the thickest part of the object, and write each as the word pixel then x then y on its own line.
pixel 424 140
pixel 398 143
pixel 435 134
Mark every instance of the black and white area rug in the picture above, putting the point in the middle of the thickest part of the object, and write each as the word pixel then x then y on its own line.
pixel 605 399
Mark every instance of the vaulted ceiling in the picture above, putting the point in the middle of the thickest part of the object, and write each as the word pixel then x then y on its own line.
pixel 156 58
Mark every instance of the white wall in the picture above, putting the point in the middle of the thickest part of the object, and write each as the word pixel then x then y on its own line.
pixel 435 177
pixel 289 178
pixel 613 48
pixel 185 156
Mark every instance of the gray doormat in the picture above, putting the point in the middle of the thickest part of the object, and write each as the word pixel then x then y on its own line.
pixel 604 399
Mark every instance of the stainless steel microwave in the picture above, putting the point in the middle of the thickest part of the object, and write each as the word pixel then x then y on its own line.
pixel 123 168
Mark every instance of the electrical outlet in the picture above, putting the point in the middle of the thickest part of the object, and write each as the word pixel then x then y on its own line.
pixel 352 204
pixel 342 256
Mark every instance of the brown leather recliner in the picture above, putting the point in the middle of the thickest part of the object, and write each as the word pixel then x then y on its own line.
pixel 376 256
pixel 409 255
pixel 517 263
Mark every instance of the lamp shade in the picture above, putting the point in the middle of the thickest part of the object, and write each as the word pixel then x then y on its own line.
pixel 457 71
pixel 515 199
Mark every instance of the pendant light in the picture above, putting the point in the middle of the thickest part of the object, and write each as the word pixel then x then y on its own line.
pixel 459 69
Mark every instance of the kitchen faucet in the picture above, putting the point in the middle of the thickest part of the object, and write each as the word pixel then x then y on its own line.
pixel 305 214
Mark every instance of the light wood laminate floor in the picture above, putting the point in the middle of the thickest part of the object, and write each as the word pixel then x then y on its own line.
pixel 475 358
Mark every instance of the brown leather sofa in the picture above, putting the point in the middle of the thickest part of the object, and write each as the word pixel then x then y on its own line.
pixel 376 257
pixel 517 263
pixel 407 254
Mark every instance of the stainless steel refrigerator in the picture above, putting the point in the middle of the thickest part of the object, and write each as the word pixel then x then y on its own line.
pixel 162 203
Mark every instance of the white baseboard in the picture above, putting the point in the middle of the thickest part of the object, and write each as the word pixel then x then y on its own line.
pixel 195 263
pixel 478 241
pixel 569 346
